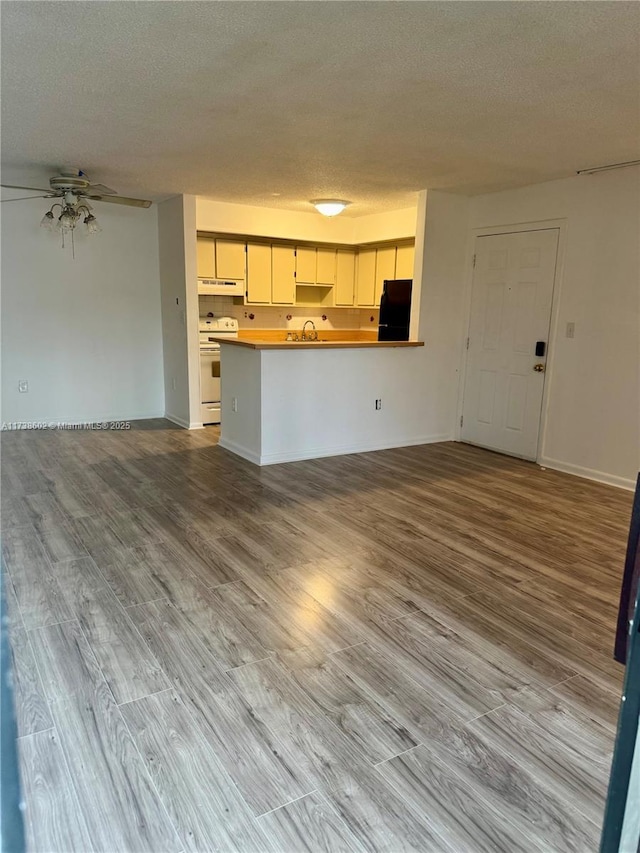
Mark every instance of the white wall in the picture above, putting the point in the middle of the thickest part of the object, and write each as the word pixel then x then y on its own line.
pixel 441 309
pixel 593 385
pixel 293 225
pixel 85 333
pixel 179 290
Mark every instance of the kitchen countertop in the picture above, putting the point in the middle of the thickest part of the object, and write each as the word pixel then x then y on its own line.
pixel 266 344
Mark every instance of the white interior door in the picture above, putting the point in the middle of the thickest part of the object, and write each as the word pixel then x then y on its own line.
pixel 510 314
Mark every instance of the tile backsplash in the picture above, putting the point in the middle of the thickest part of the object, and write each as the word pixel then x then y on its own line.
pixel 275 317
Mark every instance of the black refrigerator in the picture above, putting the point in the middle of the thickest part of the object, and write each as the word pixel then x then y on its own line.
pixel 395 310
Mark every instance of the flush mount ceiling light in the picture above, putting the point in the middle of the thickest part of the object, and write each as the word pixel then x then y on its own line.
pixel 329 206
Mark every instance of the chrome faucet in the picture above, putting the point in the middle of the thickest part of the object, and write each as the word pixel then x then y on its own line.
pixel 313 336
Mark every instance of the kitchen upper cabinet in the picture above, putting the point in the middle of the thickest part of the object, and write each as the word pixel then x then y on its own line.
pixel 326 266
pixel 258 273
pixel 385 270
pixel 305 265
pixel 283 275
pixel 345 277
pixel 366 277
pixel 206 258
pixel 230 259
pixel 404 262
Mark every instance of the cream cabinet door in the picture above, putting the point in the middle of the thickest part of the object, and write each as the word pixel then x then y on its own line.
pixel 404 261
pixel 259 273
pixel 305 265
pixel 230 257
pixel 345 277
pixel 206 258
pixel 385 269
pixel 366 277
pixel 283 275
pixel 326 266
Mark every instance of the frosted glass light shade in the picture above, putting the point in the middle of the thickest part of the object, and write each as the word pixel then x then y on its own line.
pixel 330 206
pixel 92 224
pixel 48 222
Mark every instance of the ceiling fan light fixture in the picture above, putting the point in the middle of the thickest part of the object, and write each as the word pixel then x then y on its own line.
pixel 329 206
pixel 48 222
pixel 93 227
pixel 67 219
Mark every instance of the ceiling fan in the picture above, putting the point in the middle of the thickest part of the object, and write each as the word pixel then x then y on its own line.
pixel 74 186
pixel 74 190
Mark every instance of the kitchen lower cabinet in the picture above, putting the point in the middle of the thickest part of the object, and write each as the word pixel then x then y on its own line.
pixel 258 273
pixel 283 275
pixel 230 260
pixel 344 290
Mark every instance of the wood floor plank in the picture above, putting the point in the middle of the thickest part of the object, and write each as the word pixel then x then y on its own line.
pixel 201 799
pixel 53 819
pixel 307 617
pixel 95 533
pixel 39 596
pixel 32 712
pixel 237 625
pixel 59 541
pixel 450 807
pixel 576 772
pixel 260 765
pixel 321 750
pixel 126 661
pixel 373 731
pixel 417 709
pixel 149 572
pixel 309 825
pixel 486 629
pixel 382 821
pixel 442 672
pixel 590 699
pixel 117 798
pixel 497 778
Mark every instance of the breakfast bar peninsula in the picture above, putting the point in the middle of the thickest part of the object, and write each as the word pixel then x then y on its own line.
pixel 289 400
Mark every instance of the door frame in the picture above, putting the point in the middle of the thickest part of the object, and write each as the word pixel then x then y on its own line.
pixel 554 332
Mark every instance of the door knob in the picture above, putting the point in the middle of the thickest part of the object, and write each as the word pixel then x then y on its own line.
pixel 539 368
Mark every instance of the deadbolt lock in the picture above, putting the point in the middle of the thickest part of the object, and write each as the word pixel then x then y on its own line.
pixel 539 368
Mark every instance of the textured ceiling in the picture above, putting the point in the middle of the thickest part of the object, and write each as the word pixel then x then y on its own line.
pixel 274 103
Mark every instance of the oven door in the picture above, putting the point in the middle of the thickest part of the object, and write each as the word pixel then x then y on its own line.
pixel 210 376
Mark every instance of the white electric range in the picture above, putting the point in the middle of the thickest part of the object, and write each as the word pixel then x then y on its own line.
pixel 211 330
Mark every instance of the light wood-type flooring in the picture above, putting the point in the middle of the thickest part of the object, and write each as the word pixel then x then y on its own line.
pixel 393 651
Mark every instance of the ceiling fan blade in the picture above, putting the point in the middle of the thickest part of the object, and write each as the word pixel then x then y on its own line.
pixel 24 198
pixel 102 190
pixel 35 189
pixel 119 199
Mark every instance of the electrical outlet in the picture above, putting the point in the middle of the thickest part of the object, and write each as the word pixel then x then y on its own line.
pixel 23 386
pixel 571 330
pixel 234 404
pixel 378 404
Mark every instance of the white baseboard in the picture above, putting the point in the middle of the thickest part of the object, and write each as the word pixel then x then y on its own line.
pixel 321 452
pixel 239 450
pixel 182 422
pixel 587 473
